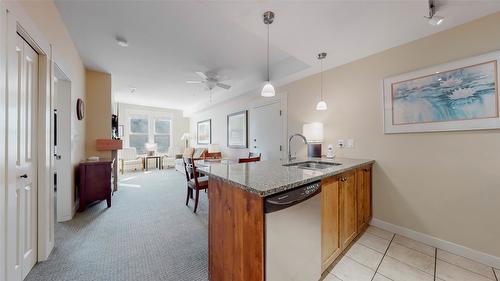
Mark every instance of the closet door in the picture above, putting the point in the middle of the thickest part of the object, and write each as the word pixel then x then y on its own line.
pixel 22 211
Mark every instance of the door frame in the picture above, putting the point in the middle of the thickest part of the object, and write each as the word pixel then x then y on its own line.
pixel 19 22
pixel 3 107
pixel 282 98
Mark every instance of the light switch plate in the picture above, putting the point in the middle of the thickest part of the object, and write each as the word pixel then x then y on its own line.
pixel 350 143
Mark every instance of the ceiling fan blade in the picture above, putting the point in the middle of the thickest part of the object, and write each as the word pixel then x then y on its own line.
pixel 224 86
pixel 194 82
pixel 202 75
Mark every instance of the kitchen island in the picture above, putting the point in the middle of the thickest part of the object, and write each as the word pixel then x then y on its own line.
pixel 237 203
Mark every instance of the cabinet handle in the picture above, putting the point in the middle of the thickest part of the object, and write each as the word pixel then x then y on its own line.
pixel 366 170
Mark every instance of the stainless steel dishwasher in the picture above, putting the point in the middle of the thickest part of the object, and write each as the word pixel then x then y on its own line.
pixel 293 234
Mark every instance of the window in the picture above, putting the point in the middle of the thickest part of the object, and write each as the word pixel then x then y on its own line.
pixel 139 133
pixel 162 134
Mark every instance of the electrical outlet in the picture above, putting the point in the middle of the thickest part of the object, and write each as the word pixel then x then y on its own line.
pixel 340 143
pixel 350 143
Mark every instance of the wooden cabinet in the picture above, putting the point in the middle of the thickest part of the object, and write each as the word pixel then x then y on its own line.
pixel 235 233
pixel 346 210
pixel 94 182
pixel 348 225
pixel 364 196
pixel 330 221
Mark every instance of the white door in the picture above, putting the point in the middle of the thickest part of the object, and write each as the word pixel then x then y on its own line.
pixel 62 148
pixel 266 134
pixel 22 210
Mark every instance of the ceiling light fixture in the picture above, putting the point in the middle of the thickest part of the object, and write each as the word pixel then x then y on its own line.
pixel 321 104
pixel 132 90
pixel 122 42
pixel 434 19
pixel 268 89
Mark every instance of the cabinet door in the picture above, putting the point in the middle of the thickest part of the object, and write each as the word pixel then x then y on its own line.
pixel 348 222
pixel 364 197
pixel 330 219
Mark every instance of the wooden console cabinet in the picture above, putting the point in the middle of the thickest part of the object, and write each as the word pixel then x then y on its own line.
pixel 94 182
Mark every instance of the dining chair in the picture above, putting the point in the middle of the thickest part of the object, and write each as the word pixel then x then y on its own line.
pixel 194 181
pixel 213 155
pixel 249 159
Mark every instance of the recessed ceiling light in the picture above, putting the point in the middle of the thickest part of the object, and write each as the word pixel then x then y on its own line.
pixel 132 90
pixel 122 42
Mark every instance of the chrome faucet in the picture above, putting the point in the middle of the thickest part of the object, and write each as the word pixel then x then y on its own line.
pixel 290 158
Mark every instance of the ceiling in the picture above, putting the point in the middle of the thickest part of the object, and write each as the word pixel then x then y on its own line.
pixel 169 41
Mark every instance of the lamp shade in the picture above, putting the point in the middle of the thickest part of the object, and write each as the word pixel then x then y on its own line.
pixel 150 146
pixel 313 132
pixel 213 148
pixel 268 90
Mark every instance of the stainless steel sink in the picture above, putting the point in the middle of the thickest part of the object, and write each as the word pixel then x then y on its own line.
pixel 313 165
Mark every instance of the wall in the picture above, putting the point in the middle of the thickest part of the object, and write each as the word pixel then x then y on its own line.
pixel 443 184
pixel 180 124
pixel 47 19
pixel 218 114
pixel 97 111
pixel 43 22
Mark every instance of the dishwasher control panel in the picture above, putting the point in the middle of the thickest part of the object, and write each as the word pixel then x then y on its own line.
pixel 291 197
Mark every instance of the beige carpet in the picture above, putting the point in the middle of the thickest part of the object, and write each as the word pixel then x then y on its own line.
pixel 148 234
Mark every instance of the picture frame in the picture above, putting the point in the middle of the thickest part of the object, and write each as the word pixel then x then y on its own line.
pixel 237 129
pixel 454 96
pixel 204 132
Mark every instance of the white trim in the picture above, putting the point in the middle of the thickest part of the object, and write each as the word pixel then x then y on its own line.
pixel 3 107
pixel 451 247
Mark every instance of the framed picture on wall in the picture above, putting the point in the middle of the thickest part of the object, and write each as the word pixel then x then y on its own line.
pixel 204 132
pixel 459 95
pixel 237 129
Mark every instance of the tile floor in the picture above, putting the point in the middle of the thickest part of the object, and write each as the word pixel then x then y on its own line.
pixel 379 255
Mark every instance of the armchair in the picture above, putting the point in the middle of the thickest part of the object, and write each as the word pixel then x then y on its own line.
pixel 129 160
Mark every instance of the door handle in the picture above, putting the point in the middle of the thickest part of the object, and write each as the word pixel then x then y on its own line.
pixel 25 176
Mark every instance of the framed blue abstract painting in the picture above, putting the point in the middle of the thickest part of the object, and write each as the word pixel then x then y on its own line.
pixel 460 95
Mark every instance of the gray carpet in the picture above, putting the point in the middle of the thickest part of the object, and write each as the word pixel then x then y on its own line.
pixel 148 234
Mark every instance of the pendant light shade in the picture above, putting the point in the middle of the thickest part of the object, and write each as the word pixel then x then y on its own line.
pixel 268 89
pixel 321 104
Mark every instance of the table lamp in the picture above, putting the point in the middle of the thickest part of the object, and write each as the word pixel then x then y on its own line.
pixel 314 135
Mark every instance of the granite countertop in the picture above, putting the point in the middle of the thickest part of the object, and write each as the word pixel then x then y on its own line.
pixel 266 178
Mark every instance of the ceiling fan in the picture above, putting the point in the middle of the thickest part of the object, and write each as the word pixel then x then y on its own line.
pixel 210 79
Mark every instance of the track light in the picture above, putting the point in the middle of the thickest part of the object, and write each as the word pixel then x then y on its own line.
pixel 434 19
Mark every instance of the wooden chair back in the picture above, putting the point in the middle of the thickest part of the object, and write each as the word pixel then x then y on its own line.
pixel 247 160
pixel 213 155
pixel 190 169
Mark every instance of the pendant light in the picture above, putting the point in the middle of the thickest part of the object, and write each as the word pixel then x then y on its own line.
pixel 268 89
pixel 321 104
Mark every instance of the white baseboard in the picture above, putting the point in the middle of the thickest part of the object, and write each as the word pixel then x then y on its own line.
pixel 451 247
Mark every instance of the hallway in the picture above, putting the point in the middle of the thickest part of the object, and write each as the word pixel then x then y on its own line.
pixel 148 234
